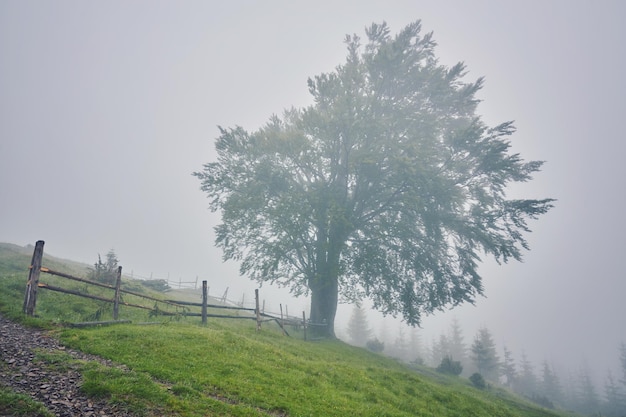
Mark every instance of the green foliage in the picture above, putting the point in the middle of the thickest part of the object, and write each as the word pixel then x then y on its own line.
pixel 450 367
pixel 388 187
pixel 106 272
pixel 478 381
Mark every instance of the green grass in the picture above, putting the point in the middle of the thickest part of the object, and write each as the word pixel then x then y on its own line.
pixel 14 404
pixel 248 370
pixel 227 368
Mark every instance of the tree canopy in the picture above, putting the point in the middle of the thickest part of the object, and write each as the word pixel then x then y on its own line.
pixel 387 187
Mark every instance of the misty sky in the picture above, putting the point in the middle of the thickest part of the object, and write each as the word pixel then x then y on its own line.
pixel 106 108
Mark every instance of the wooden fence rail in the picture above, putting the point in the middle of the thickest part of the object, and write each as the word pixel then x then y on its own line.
pixel 111 287
pixel 33 284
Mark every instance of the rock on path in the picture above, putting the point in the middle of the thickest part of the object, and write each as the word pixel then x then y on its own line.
pixel 58 389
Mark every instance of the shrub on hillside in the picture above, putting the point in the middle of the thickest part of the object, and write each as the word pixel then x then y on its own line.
pixel 156 284
pixel 375 345
pixel 478 381
pixel 105 272
pixel 450 367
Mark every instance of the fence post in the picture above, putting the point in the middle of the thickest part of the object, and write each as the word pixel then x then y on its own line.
pixel 205 296
pixel 116 300
pixel 304 324
pixel 30 298
pixel 258 311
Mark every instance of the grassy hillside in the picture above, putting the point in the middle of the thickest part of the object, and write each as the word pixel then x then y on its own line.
pixel 227 368
pixel 16 259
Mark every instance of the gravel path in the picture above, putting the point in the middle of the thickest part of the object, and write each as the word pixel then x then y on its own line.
pixel 58 389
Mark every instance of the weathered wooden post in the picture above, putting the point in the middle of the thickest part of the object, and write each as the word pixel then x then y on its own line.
pixel 304 324
pixel 258 310
pixel 30 298
pixel 116 300
pixel 281 323
pixel 205 297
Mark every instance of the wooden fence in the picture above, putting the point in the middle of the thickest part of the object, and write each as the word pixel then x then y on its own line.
pixel 33 284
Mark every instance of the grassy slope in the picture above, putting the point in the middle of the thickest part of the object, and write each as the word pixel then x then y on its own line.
pixel 227 368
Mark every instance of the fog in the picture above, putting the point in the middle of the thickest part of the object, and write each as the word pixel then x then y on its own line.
pixel 106 108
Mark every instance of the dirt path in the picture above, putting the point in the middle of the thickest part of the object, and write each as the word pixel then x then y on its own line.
pixel 58 389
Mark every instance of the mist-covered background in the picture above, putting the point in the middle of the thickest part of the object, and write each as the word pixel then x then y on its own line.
pixel 106 109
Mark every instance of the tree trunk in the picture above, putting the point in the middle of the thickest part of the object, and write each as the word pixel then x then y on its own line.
pixel 324 298
pixel 324 285
pixel 332 233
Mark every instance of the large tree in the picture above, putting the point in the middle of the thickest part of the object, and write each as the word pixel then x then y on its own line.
pixel 389 186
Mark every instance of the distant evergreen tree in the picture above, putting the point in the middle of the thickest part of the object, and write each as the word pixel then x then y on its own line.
pixel 550 384
pixel 588 401
pixel 615 405
pixel 384 331
pixel 622 358
pixel 400 347
pixel 527 381
pixel 484 355
pixel 508 369
pixel 456 343
pixel 416 350
pixel 358 328
pixel 439 350
pixel 569 391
